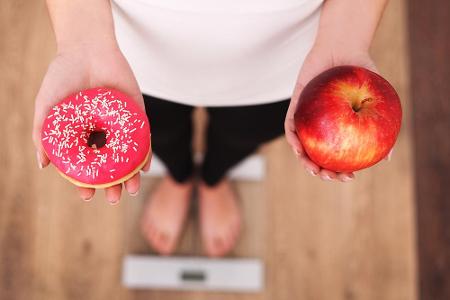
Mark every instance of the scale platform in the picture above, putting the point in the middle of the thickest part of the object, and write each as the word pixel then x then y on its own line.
pixel 193 273
pixel 197 273
pixel 252 168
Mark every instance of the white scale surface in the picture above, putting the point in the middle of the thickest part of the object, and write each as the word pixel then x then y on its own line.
pixel 195 273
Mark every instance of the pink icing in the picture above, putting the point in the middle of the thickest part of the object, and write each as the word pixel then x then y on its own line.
pixel 66 130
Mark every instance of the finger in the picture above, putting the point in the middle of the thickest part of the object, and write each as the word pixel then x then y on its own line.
pixel 297 148
pixel 389 156
pixel 345 177
pixel 292 139
pixel 300 85
pixel 327 175
pixel 309 165
pixel 41 157
pixel 146 167
pixel 291 133
pixel 41 108
pixel 113 194
pixel 86 193
pixel 132 185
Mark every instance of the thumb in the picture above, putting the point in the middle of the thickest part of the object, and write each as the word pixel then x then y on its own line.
pixel 41 157
pixel 289 124
pixel 40 113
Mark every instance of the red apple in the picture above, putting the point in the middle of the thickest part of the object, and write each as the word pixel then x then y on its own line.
pixel 348 118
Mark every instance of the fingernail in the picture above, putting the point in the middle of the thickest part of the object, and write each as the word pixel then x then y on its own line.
pixel 114 203
pixel 312 172
pixel 346 179
pixel 38 157
pixel 134 194
pixel 389 155
pixel 326 177
pixel 87 199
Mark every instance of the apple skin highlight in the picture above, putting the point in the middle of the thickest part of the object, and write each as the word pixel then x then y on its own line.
pixel 348 118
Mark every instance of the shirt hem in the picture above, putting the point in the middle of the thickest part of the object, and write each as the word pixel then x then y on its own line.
pixel 216 103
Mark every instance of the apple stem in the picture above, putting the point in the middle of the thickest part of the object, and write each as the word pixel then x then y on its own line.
pixel 357 106
pixel 366 100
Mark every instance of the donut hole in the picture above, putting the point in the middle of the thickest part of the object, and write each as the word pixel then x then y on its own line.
pixel 96 139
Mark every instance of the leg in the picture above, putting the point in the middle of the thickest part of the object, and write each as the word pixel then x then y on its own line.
pixel 165 212
pixel 171 127
pixel 236 132
pixel 233 134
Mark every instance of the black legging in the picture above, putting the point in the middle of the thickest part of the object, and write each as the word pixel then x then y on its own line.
pixel 232 134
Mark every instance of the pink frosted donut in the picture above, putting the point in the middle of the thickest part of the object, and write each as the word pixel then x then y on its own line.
pixel 97 137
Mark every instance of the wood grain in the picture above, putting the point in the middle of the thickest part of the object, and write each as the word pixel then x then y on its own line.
pixel 318 240
pixel 429 33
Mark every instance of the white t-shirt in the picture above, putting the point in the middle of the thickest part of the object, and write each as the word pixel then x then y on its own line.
pixel 216 52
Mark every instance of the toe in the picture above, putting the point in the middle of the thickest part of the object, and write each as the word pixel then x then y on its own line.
pixel 209 245
pixel 161 241
pixel 164 243
pixel 233 234
pixel 217 245
pixel 229 241
pixel 146 225
pixel 227 244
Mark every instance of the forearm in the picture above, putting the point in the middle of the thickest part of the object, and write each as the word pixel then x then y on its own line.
pixel 81 22
pixel 349 24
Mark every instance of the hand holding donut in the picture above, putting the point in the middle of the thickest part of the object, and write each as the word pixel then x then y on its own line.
pixel 78 68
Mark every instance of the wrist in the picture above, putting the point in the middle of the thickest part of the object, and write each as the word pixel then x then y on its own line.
pixel 340 49
pixel 79 24
pixel 86 44
pixel 334 44
pixel 349 25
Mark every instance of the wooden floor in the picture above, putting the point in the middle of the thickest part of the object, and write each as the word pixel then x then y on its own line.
pixel 319 240
pixel 430 47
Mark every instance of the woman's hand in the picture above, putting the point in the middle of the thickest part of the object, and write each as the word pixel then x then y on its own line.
pixel 80 67
pixel 319 59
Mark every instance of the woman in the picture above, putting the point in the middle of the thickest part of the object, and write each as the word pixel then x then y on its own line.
pixel 239 59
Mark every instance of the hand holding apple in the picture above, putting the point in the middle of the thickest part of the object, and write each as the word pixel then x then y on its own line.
pixel 348 118
pixel 320 59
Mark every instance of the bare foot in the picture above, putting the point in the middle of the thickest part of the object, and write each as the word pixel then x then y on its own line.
pixel 165 213
pixel 220 218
